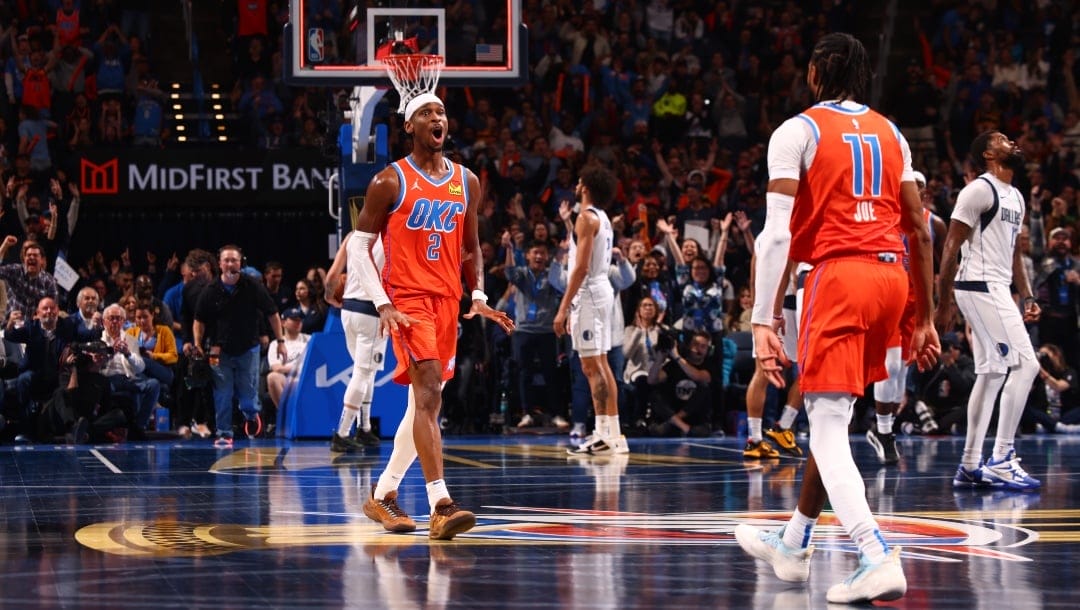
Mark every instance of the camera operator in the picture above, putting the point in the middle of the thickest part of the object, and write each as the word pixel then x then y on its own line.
pixel 1053 396
pixel 683 399
pixel 945 389
pixel 79 399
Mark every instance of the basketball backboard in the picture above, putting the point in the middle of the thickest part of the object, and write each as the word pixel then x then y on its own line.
pixel 339 43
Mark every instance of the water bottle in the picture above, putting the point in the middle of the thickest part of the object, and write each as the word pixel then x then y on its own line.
pixel 161 418
pixel 504 406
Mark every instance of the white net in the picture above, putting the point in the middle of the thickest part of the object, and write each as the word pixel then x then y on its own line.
pixel 413 74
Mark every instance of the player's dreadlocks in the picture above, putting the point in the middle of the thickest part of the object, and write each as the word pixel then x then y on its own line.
pixel 843 67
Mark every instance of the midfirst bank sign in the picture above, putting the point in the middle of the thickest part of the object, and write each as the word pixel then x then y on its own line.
pixel 197 177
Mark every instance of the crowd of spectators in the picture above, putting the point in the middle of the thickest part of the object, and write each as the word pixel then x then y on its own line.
pixel 679 99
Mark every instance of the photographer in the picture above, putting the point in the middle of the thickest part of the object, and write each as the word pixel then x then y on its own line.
pixel 1053 398
pixel 945 388
pixel 81 397
pixel 683 399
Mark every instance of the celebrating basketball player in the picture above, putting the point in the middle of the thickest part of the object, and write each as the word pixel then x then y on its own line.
pixel 425 208
pixel 840 187
pixel 987 218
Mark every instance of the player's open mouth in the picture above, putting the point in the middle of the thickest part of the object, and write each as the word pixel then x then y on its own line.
pixel 437 133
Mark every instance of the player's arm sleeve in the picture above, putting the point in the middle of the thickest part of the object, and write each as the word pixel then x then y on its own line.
pixel 369 275
pixel 789 153
pixel 973 200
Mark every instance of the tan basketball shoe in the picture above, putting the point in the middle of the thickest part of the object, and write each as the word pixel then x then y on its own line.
pixel 450 520
pixel 388 513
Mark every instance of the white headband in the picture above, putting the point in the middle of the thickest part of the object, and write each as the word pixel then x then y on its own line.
pixel 421 100
pixel 920 179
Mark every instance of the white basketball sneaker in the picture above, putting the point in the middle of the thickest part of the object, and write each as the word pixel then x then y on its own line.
pixel 883 581
pixel 790 565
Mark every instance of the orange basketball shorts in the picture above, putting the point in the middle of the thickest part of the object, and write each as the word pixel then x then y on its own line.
pixel 432 336
pixel 907 325
pixel 851 315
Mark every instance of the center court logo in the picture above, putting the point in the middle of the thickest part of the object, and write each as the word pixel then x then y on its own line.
pixel 936 537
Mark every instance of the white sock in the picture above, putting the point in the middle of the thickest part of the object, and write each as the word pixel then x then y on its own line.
pixel 388 482
pixel 885 423
pixel 364 418
pixel 603 427
pixel 403 454
pixel 799 530
pixel 436 491
pixel 787 418
pixel 348 416
pixel 829 415
pixel 753 427
pixel 614 427
pixel 980 408
pixel 870 541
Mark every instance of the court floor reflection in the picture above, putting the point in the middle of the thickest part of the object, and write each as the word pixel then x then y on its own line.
pixel 279 523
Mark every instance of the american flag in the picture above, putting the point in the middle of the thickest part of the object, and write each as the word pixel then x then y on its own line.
pixel 489 52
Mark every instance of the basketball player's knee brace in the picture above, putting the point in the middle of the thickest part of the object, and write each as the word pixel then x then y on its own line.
pixel 891 390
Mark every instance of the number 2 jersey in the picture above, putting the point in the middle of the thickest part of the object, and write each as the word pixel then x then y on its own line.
pixel 849 161
pixel 424 232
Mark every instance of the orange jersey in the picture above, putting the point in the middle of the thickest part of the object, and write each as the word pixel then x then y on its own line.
pixel 424 233
pixel 848 200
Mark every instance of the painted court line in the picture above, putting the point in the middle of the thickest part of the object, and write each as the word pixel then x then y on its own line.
pixel 105 460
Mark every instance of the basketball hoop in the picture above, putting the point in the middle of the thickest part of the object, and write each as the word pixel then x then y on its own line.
pixel 413 74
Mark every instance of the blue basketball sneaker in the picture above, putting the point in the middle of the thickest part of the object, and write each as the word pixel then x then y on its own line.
pixel 971 478
pixel 1007 474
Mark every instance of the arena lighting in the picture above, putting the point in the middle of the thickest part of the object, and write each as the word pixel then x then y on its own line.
pixel 215 96
pixel 181 138
pixel 217 106
pixel 177 106
pixel 223 138
pixel 180 128
pixel 219 117
pixel 179 117
pixel 174 96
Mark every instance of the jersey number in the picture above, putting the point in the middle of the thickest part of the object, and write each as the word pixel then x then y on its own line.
pixel 856 142
pixel 434 241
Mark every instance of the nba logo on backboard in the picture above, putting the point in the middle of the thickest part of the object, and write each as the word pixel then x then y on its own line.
pixel 315 45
